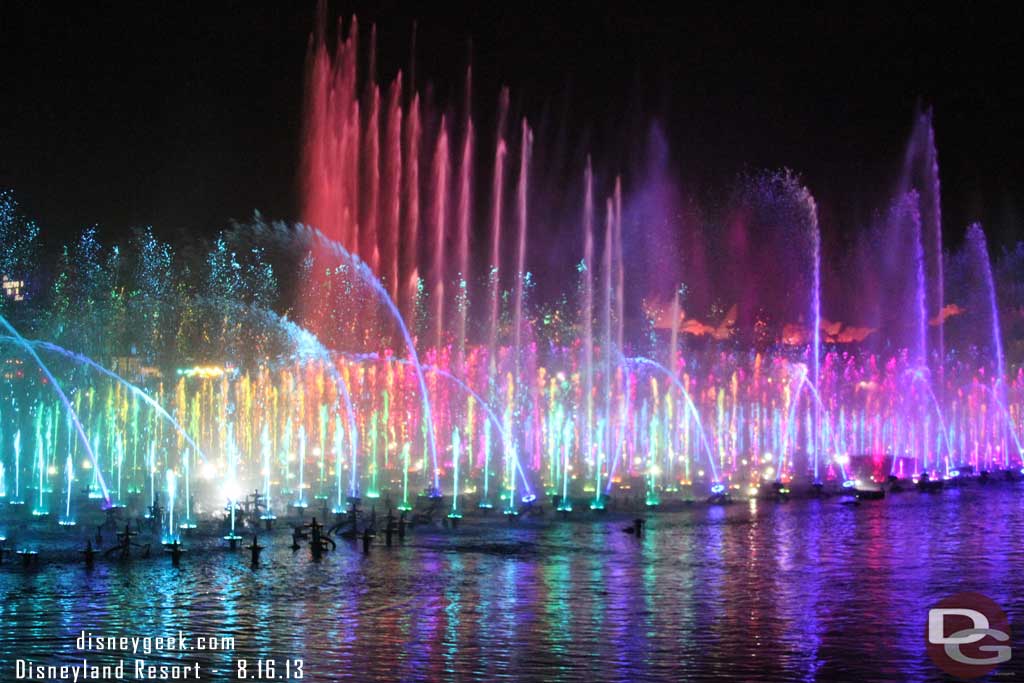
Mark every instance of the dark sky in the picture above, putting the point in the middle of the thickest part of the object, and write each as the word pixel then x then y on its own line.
pixel 184 115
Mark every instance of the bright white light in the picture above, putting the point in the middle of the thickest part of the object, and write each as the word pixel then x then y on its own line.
pixel 208 471
pixel 232 491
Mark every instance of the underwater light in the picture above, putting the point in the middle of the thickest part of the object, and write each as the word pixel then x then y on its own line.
pixel 232 491
pixel 529 498
pixel 201 371
pixel 208 471
pixel 849 484
pixel 954 473
pixel 717 488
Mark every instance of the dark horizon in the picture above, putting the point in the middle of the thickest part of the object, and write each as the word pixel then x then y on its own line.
pixel 189 117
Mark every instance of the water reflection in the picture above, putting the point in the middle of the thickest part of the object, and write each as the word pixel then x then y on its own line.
pixel 808 590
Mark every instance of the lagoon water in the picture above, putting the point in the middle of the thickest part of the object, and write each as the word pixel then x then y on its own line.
pixel 806 590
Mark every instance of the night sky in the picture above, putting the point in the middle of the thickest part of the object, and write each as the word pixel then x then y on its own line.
pixel 185 115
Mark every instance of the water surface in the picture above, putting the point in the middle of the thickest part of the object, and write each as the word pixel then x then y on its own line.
pixel 806 590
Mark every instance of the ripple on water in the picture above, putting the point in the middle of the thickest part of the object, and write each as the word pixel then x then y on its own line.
pixel 808 590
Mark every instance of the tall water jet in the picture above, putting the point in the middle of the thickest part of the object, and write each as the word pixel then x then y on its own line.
pixel 265 449
pixel 67 519
pixel 321 455
pixel 3 468
pixel 188 522
pixel 522 191
pixel 41 509
pixel 440 221
pixel 171 535
pixel 620 324
pixel 979 246
pixel 494 280
pixel 406 461
pixel 411 212
pixel 605 449
pixel 587 268
pixel 922 294
pixel 464 226
pixel 300 501
pixel 456 457
pixel 16 498
pixel 675 312
pixel 331 169
pixel 497 210
pixel 620 269
pixel 339 457
pixel 935 218
pixel 391 219
pixel 815 237
pixel 921 176
pixel 151 466
pixel 232 488
pixel 369 245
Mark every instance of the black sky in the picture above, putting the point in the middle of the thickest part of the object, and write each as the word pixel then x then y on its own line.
pixel 183 115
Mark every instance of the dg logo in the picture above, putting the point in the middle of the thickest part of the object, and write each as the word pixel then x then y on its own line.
pixel 968 635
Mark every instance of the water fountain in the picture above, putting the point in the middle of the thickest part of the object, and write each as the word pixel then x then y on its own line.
pixel 494 386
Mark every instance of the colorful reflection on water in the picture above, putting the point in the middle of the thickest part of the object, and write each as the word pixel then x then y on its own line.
pixel 810 590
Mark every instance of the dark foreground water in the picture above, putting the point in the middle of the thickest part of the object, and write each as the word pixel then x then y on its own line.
pixel 807 590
